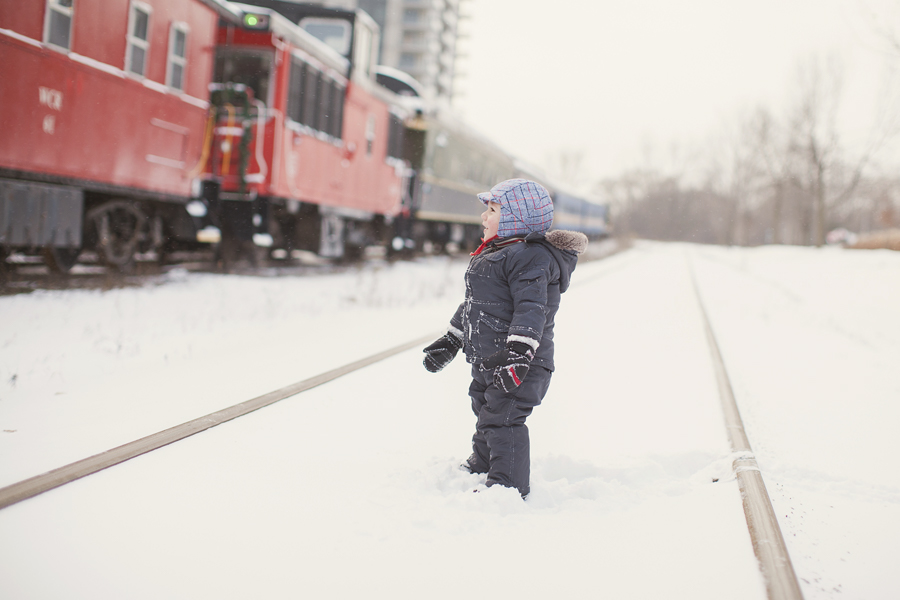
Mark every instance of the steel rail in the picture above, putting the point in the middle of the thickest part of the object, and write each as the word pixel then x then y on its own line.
pixel 39 484
pixel 765 534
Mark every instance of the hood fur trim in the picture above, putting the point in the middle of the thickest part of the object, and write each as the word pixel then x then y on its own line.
pixel 573 241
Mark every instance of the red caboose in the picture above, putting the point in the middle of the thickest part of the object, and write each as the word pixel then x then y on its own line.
pixel 306 148
pixel 103 108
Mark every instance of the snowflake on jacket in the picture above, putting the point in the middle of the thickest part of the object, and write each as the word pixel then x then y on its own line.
pixel 513 289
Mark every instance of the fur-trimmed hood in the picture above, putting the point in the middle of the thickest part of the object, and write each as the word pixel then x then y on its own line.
pixel 565 246
pixel 572 241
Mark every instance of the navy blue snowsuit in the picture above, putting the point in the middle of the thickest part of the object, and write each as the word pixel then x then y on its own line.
pixel 512 289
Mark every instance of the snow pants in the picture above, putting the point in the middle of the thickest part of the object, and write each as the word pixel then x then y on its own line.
pixel 500 446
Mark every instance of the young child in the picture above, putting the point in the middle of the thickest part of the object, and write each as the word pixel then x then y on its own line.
pixel 505 324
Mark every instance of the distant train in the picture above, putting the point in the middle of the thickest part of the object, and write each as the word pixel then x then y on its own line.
pixel 451 163
pixel 158 125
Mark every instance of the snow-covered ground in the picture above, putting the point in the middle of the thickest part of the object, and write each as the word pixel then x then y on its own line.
pixel 351 489
pixel 811 339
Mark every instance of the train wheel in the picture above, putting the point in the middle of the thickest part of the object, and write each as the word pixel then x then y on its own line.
pixel 155 236
pixel 119 226
pixel 61 260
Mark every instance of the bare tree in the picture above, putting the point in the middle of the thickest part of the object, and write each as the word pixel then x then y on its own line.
pixel 768 179
pixel 820 165
pixel 767 141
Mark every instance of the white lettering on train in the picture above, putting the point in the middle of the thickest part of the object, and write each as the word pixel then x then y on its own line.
pixel 50 98
pixel 49 124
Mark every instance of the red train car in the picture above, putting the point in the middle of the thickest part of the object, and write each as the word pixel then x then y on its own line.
pixel 306 151
pixel 103 109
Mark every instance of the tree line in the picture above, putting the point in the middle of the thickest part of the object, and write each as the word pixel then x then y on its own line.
pixel 787 179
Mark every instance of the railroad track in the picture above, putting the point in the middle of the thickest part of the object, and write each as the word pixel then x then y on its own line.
pixel 39 484
pixel 768 542
pixel 28 277
pixel 765 534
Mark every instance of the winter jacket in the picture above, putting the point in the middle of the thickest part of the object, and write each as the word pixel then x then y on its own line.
pixel 513 291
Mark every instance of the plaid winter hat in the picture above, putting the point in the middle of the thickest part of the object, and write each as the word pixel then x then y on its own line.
pixel 525 207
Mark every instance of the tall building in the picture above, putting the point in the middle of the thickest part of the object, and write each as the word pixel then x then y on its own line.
pixel 418 37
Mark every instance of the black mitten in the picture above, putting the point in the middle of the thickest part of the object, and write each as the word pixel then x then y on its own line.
pixel 510 365
pixel 439 354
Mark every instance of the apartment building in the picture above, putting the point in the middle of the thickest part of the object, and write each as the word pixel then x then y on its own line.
pixel 418 37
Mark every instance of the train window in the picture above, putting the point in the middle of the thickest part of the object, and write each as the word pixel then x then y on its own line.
pixel 334 32
pixel 324 102
pixel 295 91
pixel 315 100
pixel 362 53
pixel 177 56
pixel 138 39
pixel 58 23
pixel 249 67
pixel 309 97
pixel 395 136
pixel 337 122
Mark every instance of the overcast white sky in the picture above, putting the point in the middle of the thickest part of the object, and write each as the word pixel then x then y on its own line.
pixel 614 79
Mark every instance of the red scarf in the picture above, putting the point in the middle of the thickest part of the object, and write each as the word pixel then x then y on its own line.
pixel 484 242
pixel 500 244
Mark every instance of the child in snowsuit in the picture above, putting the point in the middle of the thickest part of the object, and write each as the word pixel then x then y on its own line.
pixel 505 324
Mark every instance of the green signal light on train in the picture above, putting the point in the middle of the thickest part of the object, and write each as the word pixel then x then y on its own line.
pixel 256 21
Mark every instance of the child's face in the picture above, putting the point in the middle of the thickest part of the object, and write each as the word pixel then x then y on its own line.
pixel 490 219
